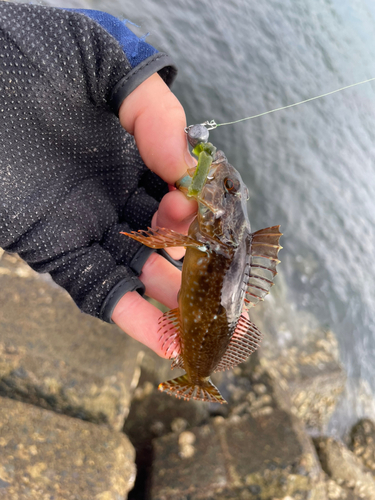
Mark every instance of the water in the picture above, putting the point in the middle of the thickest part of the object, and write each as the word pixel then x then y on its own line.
pixel 309 168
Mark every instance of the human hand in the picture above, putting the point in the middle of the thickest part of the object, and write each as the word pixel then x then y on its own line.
pixel 76 180
pixel 157 120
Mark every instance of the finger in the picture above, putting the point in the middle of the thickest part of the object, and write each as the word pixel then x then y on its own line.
pixel 162 280
pixel 175 212
pixel 139 319
pixel 156 118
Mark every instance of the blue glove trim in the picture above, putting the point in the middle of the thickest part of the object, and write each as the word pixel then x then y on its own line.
pixel 160 62
pixel 117 292
pixel 136 49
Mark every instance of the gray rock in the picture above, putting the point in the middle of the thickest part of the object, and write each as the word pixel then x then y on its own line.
pixel 250 390
pixel 302 356
pixel 362 443
pixel 345 468
pixel 154 414
pixel 337 492
pixel 313 378
pixel 54 356
pixel 44 455
pixel 264 457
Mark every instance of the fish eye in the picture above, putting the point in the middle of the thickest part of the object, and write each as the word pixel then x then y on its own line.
pixel 232 186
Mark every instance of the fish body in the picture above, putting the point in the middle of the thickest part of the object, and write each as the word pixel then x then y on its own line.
pixel 226 268
pixel 204 329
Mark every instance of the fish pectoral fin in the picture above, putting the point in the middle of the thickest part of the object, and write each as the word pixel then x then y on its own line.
pixel 245 340
pixel 263 261
pixel 163 238
pixel 181 387
pixel 170 328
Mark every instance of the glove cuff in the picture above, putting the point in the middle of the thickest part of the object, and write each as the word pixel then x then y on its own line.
pixel 157 63
pixel 127 285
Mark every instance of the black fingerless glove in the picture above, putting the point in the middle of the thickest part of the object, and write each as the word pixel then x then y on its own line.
pixel 70 177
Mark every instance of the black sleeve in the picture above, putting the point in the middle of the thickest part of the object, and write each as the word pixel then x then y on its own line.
pixel 70 177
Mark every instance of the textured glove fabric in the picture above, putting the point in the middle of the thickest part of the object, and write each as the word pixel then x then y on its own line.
pixel 143 58
pixel 70 177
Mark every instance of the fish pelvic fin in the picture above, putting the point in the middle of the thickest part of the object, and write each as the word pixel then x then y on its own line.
pixel 181 387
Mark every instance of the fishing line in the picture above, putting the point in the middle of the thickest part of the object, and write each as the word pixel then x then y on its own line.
pixel 211 125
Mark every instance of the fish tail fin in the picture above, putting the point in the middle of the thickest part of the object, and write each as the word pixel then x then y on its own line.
pixel 181 387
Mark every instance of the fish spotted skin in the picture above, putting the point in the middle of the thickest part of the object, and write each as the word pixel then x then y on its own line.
pixel 225 269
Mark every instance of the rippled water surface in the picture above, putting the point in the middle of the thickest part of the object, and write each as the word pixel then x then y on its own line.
pixel 309 168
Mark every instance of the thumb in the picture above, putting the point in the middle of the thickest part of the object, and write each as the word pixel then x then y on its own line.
pixel 157 120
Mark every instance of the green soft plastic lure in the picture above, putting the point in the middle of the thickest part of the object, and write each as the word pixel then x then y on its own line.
pixel 205 153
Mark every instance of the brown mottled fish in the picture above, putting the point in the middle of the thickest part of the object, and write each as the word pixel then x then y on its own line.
pixel 226 268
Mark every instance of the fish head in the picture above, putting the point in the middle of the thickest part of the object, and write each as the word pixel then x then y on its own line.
pixel 222 203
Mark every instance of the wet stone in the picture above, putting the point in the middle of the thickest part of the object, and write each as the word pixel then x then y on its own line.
pixel 337 492
pixel 242 457
pixel 44 455
pixel 303 357
pixel 54 356
pixel 154 414
pixel 363 443
pixel 345 468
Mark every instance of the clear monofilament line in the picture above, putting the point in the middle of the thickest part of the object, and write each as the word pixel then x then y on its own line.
pixel 290 105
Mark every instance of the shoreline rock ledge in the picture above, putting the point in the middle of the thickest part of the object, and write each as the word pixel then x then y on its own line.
pixel 59 368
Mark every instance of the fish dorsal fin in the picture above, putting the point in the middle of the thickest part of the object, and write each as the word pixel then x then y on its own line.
pixel 245 340
pixel 169 328
pixel 263 261
pixel 163 238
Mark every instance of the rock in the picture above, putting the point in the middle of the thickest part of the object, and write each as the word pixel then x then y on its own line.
pixel 345 468
pixel 265 457
pixel 154 414
pixel 250 389
pixel 313 377
pixel 362 443
pixel 44 455
pixel 337 492
pixel 302 356
pixel 54 356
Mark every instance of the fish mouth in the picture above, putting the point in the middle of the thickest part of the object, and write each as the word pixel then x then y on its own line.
pixel 205 206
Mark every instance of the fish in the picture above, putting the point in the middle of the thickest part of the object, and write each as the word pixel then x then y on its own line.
pixel 226 270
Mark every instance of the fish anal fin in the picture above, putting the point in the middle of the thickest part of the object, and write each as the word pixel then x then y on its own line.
pixel 162 238
pixel 263 261
pixel 181 387
pixel 170 328
pixel 245 340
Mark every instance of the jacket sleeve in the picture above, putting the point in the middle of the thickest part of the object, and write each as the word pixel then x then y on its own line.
pixel 70 177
